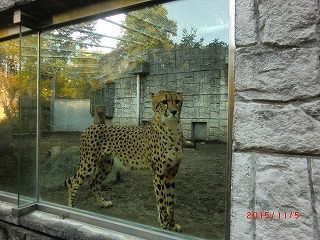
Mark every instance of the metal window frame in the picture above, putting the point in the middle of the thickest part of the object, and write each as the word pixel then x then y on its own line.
pixel 30 25
pixel 91 219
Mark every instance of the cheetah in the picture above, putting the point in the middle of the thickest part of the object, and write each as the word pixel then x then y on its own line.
pixel 156 147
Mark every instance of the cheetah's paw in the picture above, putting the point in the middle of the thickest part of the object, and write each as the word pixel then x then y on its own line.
pixel 175 228
pixel 104 204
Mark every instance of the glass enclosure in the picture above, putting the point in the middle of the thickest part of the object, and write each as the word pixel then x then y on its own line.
pixel 18 116
pixel 103 71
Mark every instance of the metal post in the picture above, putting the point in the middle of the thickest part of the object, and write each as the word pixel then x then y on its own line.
pixel 138 99
pixel 38 115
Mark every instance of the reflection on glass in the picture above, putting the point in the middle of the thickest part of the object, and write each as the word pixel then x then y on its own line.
pixel 27 117
pixel 9 115
pixel 93 73
pixel 18 114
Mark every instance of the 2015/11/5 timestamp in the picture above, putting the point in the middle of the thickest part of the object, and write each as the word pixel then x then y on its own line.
pixel 273 215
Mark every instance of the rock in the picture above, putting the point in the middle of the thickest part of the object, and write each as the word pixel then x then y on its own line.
pixel 278 76
pixel 190 144
pixel 246 31
pixel 54 150
pixel 269 183
pixel 241 196
pixel 315 173
pixel 61 166
pixel 58 168
pixel 278 128
pixel 288 22
pixel 281 186
pixel 312 109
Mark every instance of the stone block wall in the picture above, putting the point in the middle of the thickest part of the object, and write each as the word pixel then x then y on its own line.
pixel 275 190
pixel 199 73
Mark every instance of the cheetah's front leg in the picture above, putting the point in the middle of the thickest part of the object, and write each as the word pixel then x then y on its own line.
pixel 169 185
pixel 164 186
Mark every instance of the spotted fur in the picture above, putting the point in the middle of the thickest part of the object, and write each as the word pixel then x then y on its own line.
pixel 156 147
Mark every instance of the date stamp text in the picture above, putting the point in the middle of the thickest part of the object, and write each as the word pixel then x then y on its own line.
pixel 273 215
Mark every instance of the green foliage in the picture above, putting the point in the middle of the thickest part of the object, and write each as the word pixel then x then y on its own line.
pixel 63 64
pixel 74 37
pixel 218 43
pixel 144 31
pixel 189 39
pixel 69 63
pixel 9 81
pixel 148 30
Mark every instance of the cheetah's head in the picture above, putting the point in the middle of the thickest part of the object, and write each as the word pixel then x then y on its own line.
pixel 167 105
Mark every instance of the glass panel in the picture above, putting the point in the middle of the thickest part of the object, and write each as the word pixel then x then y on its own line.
pixel 93 73
pixel 9 115
pixel 28 118
pixel 18 116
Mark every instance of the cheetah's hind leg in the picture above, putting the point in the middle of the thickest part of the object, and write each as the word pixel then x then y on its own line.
pixel 73 183
pixel 103 168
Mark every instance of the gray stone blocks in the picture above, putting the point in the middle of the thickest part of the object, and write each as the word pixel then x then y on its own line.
pixel 271 197
pixel 199 73
pixel 276 128
pixel 246 27
pixel 278 76
pixel 274 22
pixel 288 22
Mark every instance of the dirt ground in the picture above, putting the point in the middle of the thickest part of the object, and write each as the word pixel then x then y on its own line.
pixel 200 188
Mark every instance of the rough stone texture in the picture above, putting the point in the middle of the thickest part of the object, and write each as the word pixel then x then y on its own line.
pixel 269 183
pixel 241 198
pixel 54 150
pixel 246 32
pixel 58 168
pixel 44 226
pixel 288 22
pixel 5 212
pixel 69 229
pixel 278 75
pixel 9 231
pixel 280 128
pixel 315 166
pixel 286 192
pixel 312 108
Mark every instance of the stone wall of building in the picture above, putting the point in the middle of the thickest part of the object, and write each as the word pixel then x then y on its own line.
pixel 276 158
pixel 199 73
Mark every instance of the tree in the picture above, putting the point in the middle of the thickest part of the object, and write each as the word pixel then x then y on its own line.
pixel 147 30
pixel 189 39
pixel 9 95
pixel 69 63
pixel 9 82
pixel 59 49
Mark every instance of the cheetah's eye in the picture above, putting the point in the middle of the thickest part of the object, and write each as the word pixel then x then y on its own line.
pixel 177 101
pixel 165 102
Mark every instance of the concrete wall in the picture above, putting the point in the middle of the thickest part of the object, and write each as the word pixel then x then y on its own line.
pixel 199 73
pixel 276 158
pixel 71 115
